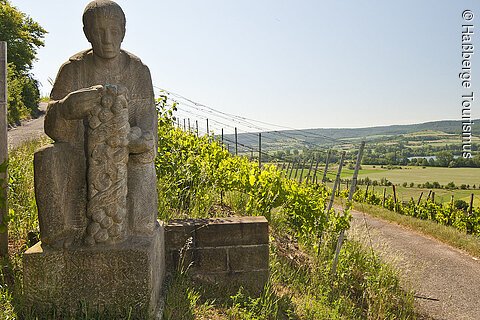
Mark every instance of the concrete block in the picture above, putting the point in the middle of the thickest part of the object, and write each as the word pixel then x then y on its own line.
pixel 110 280
pixel 248 258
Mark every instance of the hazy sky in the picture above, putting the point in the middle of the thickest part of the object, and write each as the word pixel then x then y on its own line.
pixel 299 63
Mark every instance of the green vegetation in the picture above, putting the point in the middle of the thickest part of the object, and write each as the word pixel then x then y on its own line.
pixel 23 36
pixel 194 173
pixel 22 217
pixel 301 285
pixel 419 175
pixel 410 181
pixel 444 214
pixel 433 144
pixel 446 234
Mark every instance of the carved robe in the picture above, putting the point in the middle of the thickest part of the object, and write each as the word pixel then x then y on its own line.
pixel 60 170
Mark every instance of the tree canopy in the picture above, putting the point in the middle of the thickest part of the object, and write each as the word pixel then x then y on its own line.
pixel 23 36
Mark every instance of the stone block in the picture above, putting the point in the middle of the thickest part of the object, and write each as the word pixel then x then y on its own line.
pixel 108 280
pixel 231 231
pixel 228 283
pixel 210 260
pixel 60 191
pixel 177 233
pixel 248 258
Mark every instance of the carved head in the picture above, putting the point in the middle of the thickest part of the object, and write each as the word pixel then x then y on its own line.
pixel 104 27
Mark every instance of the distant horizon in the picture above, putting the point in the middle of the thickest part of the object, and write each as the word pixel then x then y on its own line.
pixel 228 132
pixel 390 125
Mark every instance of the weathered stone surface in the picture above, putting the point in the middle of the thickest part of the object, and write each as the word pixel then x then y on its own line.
pixel 244 258
pixel 228 283
pixel 60 189
pixel 178 232
pixel 109 281
pixel 210 259
pixel 232 231
pixel 113 134
pixel 227 253
pixel 96 185
pixel 107 149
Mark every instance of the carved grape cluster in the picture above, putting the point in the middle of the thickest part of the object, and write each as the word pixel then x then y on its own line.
pixel 107 147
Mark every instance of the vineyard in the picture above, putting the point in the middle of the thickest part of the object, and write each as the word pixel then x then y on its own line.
pixel 198 177
pixel 448 214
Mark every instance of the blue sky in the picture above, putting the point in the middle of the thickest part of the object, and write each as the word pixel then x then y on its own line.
pixel 301 64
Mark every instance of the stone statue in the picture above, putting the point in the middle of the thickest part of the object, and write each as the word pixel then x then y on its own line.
pixel 101 244
pixel 75 120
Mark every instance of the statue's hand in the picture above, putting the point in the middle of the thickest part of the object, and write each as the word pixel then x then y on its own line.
pixel 140 142
pixel 77 104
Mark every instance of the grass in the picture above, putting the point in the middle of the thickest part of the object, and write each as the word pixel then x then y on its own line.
pixel 417 175
pixel 407 174
pixel 300 285
pixel 22 219
pixel 441 195
pixel 446 234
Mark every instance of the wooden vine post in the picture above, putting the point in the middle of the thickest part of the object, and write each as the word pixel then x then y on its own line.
pixel 309 171
pixel 288 168
pixel 291 171
pixel 419 198
pixel 303 168
pixel 315 172
pixel 296 171
pixel 236 142
pixel 324 179
pixel 332 196
pixel 350 197
pixel 394 198
pixel 3 151
pixel 260 151
pixel 470 209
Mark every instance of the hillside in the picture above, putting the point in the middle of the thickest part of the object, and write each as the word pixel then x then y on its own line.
pixel 275 140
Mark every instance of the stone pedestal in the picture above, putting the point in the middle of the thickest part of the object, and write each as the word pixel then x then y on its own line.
pixel 227 253
pixel 110 280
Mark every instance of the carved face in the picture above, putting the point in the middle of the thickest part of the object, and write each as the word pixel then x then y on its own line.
pixel 106 35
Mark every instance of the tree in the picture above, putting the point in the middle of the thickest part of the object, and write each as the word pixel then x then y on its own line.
pixel 23 36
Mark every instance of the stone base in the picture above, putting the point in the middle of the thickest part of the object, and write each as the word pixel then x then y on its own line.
pixel 111 281
pixel 225 253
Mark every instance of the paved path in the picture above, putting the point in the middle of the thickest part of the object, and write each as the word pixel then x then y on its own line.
pixel 31 129
pixel 446 280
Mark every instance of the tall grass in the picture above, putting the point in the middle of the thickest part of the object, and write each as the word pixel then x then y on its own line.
pixel 22 216
pixel 299 288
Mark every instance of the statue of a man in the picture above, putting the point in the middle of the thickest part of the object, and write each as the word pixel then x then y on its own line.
pixel 60 171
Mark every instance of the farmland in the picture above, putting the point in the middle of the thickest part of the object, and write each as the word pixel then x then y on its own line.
pixel 416 175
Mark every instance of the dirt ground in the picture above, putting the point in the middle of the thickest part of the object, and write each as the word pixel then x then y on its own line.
pixel 446 280
pixel 31 129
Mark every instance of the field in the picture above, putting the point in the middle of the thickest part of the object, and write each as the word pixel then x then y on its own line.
pixel 417 175
pixel 469 176
pixel 441 195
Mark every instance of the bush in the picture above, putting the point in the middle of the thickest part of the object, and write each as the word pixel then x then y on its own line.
pixel 451 186
pixel 461 204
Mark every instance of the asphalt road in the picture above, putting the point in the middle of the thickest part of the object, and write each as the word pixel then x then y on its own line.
pixel 446 280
